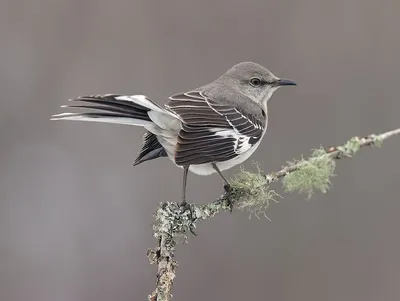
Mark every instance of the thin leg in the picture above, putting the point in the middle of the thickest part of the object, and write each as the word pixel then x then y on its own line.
pixel 227 186
pixel 185 173
pixel 214 165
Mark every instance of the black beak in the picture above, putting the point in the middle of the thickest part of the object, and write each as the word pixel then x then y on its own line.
pixel 285 82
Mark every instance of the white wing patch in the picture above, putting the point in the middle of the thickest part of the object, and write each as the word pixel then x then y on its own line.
pixel 242 143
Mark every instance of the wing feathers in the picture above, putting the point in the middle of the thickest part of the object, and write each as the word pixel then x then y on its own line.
pixel 212 130
pixel 204 157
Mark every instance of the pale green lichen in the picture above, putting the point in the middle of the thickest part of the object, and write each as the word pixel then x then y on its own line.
pixel 251 192
pixel 313 174
pixel 173 220
pixel 351 147
pixel 377 140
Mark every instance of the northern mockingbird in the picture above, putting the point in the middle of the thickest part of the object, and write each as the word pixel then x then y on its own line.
pixel 205 130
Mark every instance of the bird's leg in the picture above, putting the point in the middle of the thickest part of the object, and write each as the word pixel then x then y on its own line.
pixel 185 174
pixel 185 206
pixel 227 186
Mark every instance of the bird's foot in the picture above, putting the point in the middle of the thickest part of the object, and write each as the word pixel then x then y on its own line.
pixel 228 196
pixel 186 207
pixel 191 216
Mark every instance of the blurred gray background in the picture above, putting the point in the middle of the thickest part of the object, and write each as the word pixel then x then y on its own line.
pixel 75 217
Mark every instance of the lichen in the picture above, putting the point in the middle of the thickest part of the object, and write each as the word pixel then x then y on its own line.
pixel 351 147
pixel 252 193
pixel 313 173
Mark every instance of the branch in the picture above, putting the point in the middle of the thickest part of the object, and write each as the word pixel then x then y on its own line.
pixel 346 150
pixel 248 191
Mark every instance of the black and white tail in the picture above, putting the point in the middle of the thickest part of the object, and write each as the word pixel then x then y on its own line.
pixel 112 108
pixel 135 110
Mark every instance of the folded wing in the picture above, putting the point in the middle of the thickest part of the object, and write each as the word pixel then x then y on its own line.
pixel 212 130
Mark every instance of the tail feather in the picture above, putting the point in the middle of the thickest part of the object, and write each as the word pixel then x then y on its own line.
pixel 113 100
pixel 102 117
pixel 132 110
pixel 151 149
pixel 112 108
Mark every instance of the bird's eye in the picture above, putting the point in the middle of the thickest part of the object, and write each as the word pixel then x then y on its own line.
pixel 255 82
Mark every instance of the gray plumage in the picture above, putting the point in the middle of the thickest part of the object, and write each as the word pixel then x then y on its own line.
pixel 206 130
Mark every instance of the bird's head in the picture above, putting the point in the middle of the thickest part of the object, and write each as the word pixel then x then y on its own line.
pixel 254 81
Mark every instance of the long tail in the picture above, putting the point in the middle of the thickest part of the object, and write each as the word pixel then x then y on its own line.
pixel 132 110
pixel 112 108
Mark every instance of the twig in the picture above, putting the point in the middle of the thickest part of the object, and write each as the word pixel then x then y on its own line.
pixel 173 221
pixel 338 152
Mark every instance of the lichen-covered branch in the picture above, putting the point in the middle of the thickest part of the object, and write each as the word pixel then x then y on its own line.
pixel 248 191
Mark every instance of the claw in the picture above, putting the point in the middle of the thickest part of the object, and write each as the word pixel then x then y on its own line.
pixel 186 207
pixel 228 196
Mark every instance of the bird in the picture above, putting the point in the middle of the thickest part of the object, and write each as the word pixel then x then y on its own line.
pixel 204 130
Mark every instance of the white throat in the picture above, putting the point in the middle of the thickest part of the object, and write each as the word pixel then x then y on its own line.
pixel 269 93
pixel 267 96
